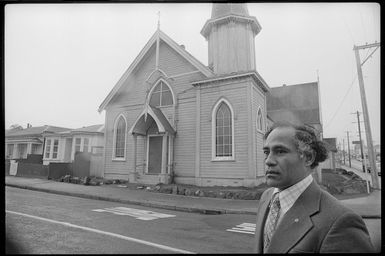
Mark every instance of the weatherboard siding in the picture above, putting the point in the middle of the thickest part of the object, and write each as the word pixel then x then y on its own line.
pixel 184 144
pixel 259 101
pixel 236 94
pixel 119 167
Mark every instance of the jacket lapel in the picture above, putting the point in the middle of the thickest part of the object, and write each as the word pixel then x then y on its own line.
pixel 263 209
pixel 296 222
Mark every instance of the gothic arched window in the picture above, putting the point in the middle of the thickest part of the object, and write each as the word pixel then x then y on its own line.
pixel 161 95
pixel 259 120
pixel 223 145
pixel 120 138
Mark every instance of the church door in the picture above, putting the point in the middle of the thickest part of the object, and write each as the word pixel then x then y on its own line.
pixel 154 154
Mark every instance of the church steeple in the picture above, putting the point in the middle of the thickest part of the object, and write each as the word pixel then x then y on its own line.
pixel 230 34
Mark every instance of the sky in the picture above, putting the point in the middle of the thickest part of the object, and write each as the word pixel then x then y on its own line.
pixel 62 60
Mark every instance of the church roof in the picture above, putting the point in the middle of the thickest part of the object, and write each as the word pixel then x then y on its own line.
pixel 294 103
pixel 223 9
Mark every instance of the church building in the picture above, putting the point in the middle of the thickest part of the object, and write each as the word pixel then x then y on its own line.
pixel 170 118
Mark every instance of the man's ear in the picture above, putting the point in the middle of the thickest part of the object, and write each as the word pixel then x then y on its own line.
pixel 309 158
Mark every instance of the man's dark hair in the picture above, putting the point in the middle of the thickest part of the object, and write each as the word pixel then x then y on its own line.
pixel 306 142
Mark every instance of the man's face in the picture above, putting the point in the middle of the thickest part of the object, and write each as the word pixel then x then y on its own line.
pixel 284 165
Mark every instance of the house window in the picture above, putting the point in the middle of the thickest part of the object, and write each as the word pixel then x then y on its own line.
pixel 259 120
pixel 55 148
pixel 86 142
pixel 161 95
pixel 120 138
pixel 10 150
pixel 78 141
pixel 223 145
pixel 47 148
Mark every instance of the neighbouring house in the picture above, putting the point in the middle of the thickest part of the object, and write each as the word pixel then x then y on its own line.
pixel 170 118
pixel 60 147
pixel 21 142
pixel 297 104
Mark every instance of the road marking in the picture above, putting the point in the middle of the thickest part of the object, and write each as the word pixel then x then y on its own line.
pixel 247 228
pixel 136 213
pixel 164 247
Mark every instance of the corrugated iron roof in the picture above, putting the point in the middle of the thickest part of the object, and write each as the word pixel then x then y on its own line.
pixel 91 128
pixel 38 130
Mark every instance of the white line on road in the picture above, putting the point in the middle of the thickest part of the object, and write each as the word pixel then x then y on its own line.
pixel 247 228
pixel 136 213
pixel 164 247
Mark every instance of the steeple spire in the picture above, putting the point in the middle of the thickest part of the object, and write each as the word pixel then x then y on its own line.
pixel 230 34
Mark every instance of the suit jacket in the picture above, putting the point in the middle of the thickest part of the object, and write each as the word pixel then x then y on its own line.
pixel 316 223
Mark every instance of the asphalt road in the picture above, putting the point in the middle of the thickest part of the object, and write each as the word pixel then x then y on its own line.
pixel 44 223
pixel 41 223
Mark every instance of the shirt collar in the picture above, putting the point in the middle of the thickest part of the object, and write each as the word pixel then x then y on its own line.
pixel 288 196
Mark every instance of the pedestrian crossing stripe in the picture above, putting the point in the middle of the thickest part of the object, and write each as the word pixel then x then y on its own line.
pixel 136 213
pixel 246 228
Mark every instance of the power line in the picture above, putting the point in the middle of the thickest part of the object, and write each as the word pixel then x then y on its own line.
pixel 350 87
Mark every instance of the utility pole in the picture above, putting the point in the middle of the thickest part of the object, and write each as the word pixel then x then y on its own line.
pixel 343 145
pixel 359 134
pixel 369 140
pixel 350 163
pixel 362 152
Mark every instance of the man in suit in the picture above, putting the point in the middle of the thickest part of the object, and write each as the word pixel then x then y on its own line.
pixel 295 215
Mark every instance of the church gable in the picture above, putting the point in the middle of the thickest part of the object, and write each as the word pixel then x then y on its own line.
pixel 134 88
pixel 160 52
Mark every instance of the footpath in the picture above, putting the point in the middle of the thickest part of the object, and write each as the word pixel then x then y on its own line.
pixel 367 206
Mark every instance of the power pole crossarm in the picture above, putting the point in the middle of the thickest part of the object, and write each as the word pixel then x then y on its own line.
pixel 360 47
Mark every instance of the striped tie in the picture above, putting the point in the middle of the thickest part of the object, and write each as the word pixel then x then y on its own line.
pixel 271 221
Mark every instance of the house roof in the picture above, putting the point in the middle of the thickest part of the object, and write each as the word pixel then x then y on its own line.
pixel 153 40
pixel 98 128
pixel 297 103
pixel 92 128
pixel 35 131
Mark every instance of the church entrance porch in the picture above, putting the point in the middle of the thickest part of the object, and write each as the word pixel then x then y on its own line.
pixel 159 134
